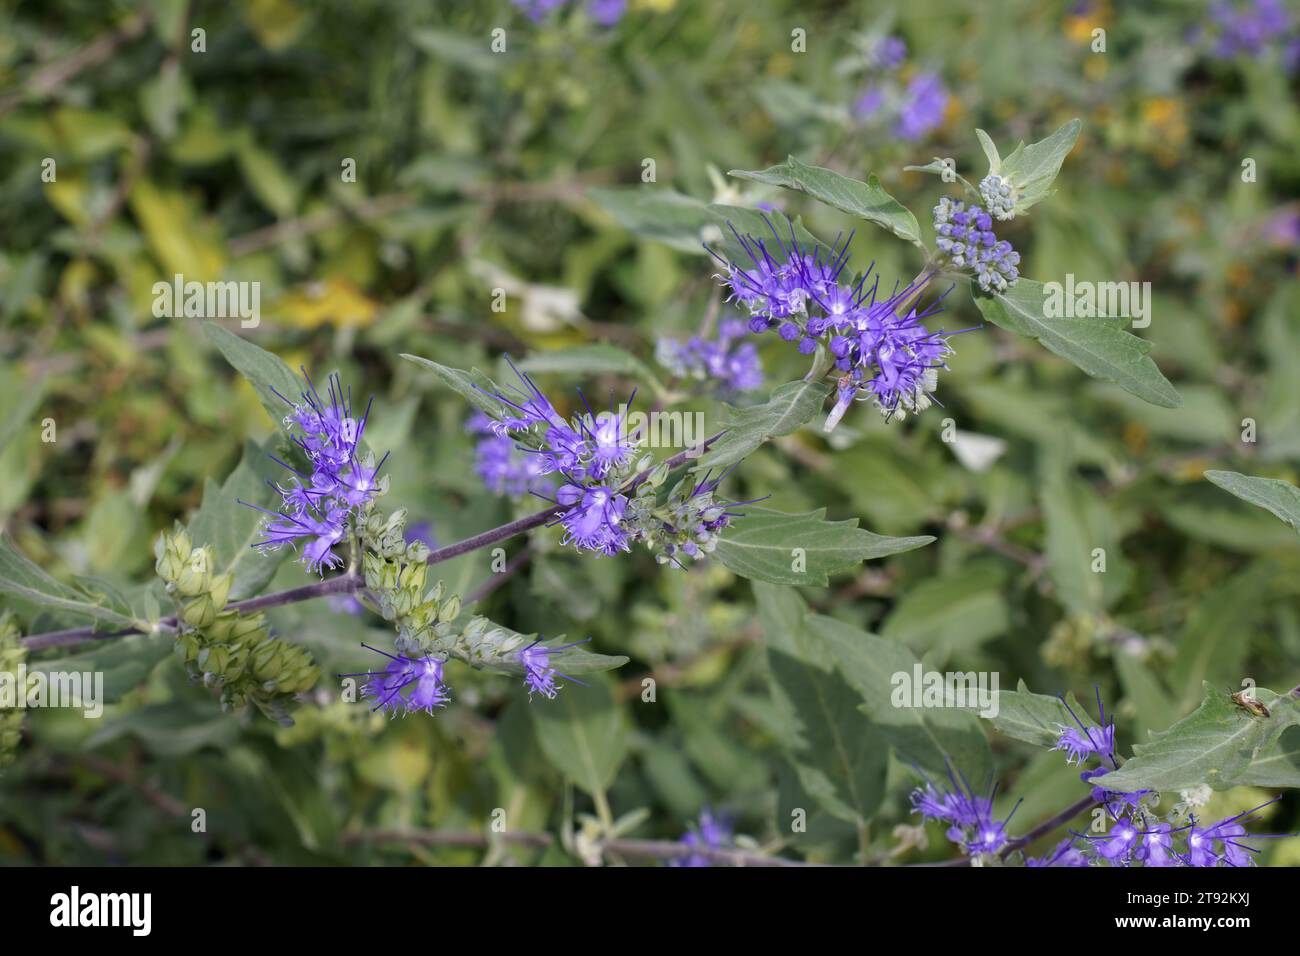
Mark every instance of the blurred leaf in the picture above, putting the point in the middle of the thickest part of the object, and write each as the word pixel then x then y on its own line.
pixel 659 214
pixel 840 757
pixel 124 662
pixel 270 182
pixel 1078 524
pixel 591 360
pixel 170 730
pixel 583 733
pixel 458 50
pixel 180 241
pixel 1213 645
pixel 931 738
pixel 953 612
pixel 26 581
pixel 1154 707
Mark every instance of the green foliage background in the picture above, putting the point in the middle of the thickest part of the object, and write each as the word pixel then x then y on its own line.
pixel 478 170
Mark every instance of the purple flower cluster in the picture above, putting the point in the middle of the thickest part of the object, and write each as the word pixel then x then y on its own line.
pixel 1136 837
pixel 405 685
pixel 1083 742
pixel 604 12
pixel 316 507
pixel 734 366
pixel 1130 843
pixel 505 469
pixel 909 111
pixel 1252 29
pixel 969 816
pixel 922 108
pixel 882 346
pixel 714 831
pixel 965 235
pixel 592 454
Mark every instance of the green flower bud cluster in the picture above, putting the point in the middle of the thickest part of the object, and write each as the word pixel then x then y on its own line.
pixel 482 644
pixel 188 571
pixel 237 655
pixel 225 650
pixel 396 572
pixel 387 537
pixel 12 655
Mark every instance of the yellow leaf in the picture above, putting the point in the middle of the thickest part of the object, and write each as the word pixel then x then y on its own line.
pixel 182 241
pixel 334 301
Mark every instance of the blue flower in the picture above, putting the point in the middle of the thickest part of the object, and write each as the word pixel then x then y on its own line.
pixel 315 507
pixel 419 677
pixel 965 235
pixel 887 353
pixel 1220 843
pixel 539 675
pixel 735 367
pixel 923 107
pixel 1064 853
pixel 889 52
pixel 1249 28
pixel 1085 742
pixel 970 815
pixel 593 520
pixel 504 468
pixel 714 831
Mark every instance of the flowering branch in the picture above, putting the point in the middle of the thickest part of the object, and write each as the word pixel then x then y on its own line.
pixel 346 584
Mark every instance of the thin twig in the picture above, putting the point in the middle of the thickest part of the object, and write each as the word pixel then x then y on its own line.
pixel 50 77
pixel 498 578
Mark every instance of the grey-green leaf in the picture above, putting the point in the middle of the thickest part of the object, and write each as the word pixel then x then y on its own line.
pixel 1281 498
pixel 266 372
pixel 867 200
pixel 1216 744
pixel 802 549
pixel 882 672
pixel 474 385
pixel 1037 718
pixel 839 756
pixel 1034 167
pixel 1098 346
pixel 791 406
